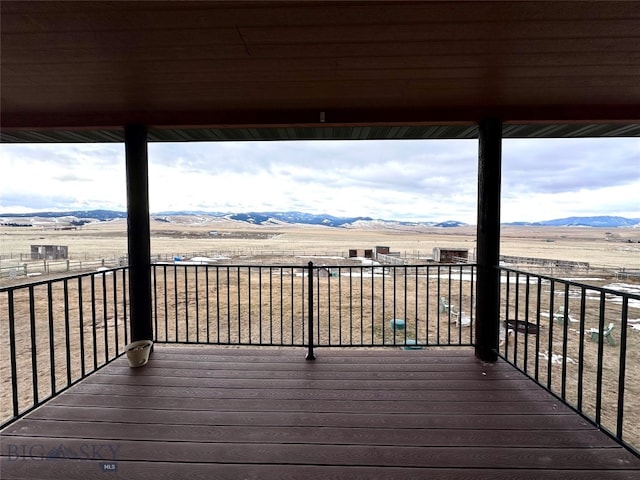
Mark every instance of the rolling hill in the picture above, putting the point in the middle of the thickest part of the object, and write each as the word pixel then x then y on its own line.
pixel 77 217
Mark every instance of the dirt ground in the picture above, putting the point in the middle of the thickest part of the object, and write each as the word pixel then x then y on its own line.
pixel 268 308
pixel 187 235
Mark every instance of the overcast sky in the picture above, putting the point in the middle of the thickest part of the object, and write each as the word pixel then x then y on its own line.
pixel 395 180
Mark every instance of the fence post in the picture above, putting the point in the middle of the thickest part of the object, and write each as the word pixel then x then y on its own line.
pixel 310 355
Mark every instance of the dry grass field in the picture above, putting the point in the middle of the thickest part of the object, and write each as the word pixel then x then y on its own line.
pixel 186 235
pixel 276 311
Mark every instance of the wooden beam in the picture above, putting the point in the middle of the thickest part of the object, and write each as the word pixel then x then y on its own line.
pixel 272 117
pixel 488 238
pixel 138 235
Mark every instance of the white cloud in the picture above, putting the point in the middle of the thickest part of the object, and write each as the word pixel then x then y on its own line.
pixel 56 177
pixel 419 180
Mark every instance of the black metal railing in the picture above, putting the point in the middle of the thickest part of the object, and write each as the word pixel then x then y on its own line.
pixel 577 341
pixel 314 306
pixel 55 332
pixel 574 339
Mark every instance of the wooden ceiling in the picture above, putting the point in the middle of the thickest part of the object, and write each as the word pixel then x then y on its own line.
pixel 100 65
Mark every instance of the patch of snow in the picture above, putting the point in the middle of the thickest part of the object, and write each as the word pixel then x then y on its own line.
pixel 633 303
pixel 366 261
pixel 579 279
pixel 555 359
pixel 206 260
pixel 103 270
pixel 624 287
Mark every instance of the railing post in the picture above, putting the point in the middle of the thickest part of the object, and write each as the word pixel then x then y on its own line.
pixel 310 355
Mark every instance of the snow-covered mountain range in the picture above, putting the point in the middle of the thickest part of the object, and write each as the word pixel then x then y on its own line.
pixel 273 218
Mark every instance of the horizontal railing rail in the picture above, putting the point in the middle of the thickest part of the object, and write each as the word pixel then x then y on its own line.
pixel 54 333
pixel 364 306
pixel 580 342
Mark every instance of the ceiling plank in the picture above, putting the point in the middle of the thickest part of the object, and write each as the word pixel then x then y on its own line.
pixel 281 62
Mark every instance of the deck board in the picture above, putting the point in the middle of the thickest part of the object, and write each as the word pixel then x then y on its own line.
pixel 228 413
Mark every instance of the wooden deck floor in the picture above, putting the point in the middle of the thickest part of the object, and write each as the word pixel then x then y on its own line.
pixel 220 413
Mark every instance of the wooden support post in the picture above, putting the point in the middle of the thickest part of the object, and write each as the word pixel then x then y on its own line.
pixel 138 236
pixel 488 238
